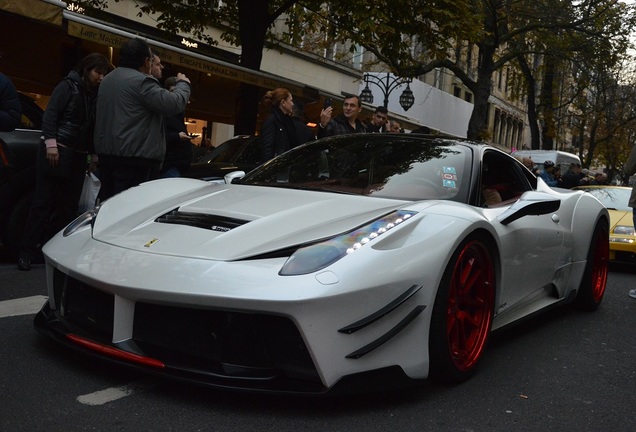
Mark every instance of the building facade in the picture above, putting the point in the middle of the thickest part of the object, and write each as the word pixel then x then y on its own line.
pixel 48 37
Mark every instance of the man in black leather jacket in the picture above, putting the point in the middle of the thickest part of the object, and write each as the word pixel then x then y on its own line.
pixel 345 123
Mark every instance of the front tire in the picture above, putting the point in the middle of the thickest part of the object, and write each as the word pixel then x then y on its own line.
pixel 594 280
pixel 463 312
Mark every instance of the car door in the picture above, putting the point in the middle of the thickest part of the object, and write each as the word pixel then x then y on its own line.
pixel 531 246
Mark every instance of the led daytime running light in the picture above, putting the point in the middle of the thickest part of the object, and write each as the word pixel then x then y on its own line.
pixel 379 227
pixel 320 255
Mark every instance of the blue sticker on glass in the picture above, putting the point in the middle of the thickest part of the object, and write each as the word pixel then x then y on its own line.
pixel 449 170
pixel 449 183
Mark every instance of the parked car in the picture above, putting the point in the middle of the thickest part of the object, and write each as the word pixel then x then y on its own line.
pixel 17 173
pixel 241 153
pixel 622 236
pixel 348 263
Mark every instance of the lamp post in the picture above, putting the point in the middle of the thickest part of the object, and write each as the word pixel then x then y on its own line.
pixel 387 84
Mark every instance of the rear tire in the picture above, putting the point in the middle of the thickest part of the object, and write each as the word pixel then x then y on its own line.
pixel 463 312
pixel 594 280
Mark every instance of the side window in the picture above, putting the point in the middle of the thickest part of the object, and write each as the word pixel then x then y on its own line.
pixel 251 153
pixel 502 179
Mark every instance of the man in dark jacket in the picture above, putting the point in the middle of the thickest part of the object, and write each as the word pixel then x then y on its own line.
pixel 178 145
pixel 10 110
pixel 345 123
pixel 379 120
pixel 572 178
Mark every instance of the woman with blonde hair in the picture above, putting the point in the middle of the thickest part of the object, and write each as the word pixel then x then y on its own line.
pixel 278 133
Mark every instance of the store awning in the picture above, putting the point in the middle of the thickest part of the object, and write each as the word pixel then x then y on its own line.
pixel 100 32
pixel 48 11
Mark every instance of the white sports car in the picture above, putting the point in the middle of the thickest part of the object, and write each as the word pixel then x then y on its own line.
pixel 349 263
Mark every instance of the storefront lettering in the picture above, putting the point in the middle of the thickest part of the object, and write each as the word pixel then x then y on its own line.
pixel 94 35
pixel 75 8
pixel 189 44
pixel 88 34
pixel 207 67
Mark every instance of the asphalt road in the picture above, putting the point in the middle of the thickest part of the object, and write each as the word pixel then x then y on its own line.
pixel 564 371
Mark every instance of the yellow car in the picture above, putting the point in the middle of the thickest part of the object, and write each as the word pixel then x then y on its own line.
pixel 622 236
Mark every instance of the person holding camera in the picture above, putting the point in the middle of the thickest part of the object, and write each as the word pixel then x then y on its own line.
pixel 345 123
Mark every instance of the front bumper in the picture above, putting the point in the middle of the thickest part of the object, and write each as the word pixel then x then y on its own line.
pixel 226 347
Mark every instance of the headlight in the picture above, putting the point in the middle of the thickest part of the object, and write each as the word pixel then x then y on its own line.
pixel 320 255
pixel 83 220
pixel 624 230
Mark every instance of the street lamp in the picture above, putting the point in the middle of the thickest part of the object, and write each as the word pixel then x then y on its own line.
pixel 387 85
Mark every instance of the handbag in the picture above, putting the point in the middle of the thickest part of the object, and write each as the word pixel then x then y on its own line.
pixel 90 190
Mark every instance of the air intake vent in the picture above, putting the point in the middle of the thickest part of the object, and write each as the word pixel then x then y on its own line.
pixel 205 221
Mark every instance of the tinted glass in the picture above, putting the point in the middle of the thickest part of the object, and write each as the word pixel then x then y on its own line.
pixel 407 168
pixel 227 152
pixel 612 198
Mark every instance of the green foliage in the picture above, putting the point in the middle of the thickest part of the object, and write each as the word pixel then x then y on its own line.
pixel 414 37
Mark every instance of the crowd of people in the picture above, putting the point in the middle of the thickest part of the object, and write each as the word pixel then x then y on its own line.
pixel 284 128
pixel 114 116
pixel 574 176
pixel 108 120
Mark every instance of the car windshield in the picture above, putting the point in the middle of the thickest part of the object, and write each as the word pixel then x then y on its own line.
pixel 612 198
pixel 378 165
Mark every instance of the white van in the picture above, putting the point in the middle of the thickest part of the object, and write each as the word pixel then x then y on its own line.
pixel 561 158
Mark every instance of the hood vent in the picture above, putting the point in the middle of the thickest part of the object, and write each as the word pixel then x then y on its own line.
pixel 205 221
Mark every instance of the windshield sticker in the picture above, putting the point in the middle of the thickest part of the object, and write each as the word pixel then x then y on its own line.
pixel 449 177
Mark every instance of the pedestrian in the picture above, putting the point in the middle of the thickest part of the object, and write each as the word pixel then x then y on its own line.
pixel 548 174
pixel 395 127
pixel 178 145
pixel 62 157
pixel 529 163
pixel 156 69
pixel 572 177
pixel 278 131
pixel 379 120
pixel 10 109
pixel 630 170
pixel 345 123
pixel 129 131
pixel 304 132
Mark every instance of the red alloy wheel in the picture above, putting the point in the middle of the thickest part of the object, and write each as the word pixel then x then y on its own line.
pixel 599 269
pixel 470 305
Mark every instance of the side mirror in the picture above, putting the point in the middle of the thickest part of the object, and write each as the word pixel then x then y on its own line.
pixel 229 178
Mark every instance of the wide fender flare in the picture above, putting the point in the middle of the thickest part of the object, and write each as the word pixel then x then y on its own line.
pixel 588 211
pixel 469 221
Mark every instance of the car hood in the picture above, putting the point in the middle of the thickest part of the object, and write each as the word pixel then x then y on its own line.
pixel 620 217
pixel 228 222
